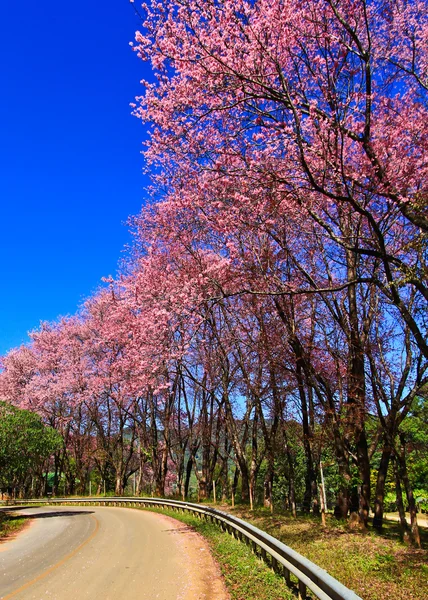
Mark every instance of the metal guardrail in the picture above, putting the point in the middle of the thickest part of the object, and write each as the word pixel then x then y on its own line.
pixel 280 557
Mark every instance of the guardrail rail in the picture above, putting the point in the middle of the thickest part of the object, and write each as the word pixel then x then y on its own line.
pixel 280 557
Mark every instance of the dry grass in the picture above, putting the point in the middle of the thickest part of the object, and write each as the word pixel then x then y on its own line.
pixel 376 567
pixel 10 525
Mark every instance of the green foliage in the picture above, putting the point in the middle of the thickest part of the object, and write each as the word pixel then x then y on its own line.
pixel 421 498
pixel 415 430
pixel 282 477
pixel 25 443
pixel 390 501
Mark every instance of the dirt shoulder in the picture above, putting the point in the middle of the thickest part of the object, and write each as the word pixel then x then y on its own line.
pixel 204 578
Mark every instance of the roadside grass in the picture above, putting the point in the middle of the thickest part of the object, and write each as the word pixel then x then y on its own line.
pixel 376 567
pixel 10 525
pixel 246 576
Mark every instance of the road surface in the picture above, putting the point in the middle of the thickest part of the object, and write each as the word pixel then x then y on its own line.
pixel 73 553
pixel 422 518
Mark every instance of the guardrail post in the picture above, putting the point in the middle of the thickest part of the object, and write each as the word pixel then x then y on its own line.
pixel 302 590
pixel 275 565
pixel 286 574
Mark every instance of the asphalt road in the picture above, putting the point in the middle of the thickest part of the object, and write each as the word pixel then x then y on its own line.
pixel 73 553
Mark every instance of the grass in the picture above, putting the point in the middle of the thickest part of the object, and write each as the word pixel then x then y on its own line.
pixel 376 567
pixel 10 525
pixel 246 576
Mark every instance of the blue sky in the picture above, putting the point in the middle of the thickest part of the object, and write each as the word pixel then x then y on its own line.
pixel 70 162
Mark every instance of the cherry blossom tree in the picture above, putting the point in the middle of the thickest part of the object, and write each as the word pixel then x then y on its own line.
pixel 274 302
pixel 282 122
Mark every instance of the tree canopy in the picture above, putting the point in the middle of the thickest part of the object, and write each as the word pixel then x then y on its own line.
pixel 272 313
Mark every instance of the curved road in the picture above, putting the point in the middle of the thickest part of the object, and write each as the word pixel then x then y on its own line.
pixel 73 553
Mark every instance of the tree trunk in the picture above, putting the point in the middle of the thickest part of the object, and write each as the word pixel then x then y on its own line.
pixel 188 475
pixel 310 478
pixel 118 490
pixel 291 480
pixel 268 488
pixel 380 487
pixel 245 484
pixel 343 498
pixel 357 390
pixel 403 474
pixel 400 507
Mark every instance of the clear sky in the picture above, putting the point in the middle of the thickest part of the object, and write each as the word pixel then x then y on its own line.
pixel 70 162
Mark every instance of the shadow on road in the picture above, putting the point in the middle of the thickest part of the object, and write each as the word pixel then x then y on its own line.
pixel 48 515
